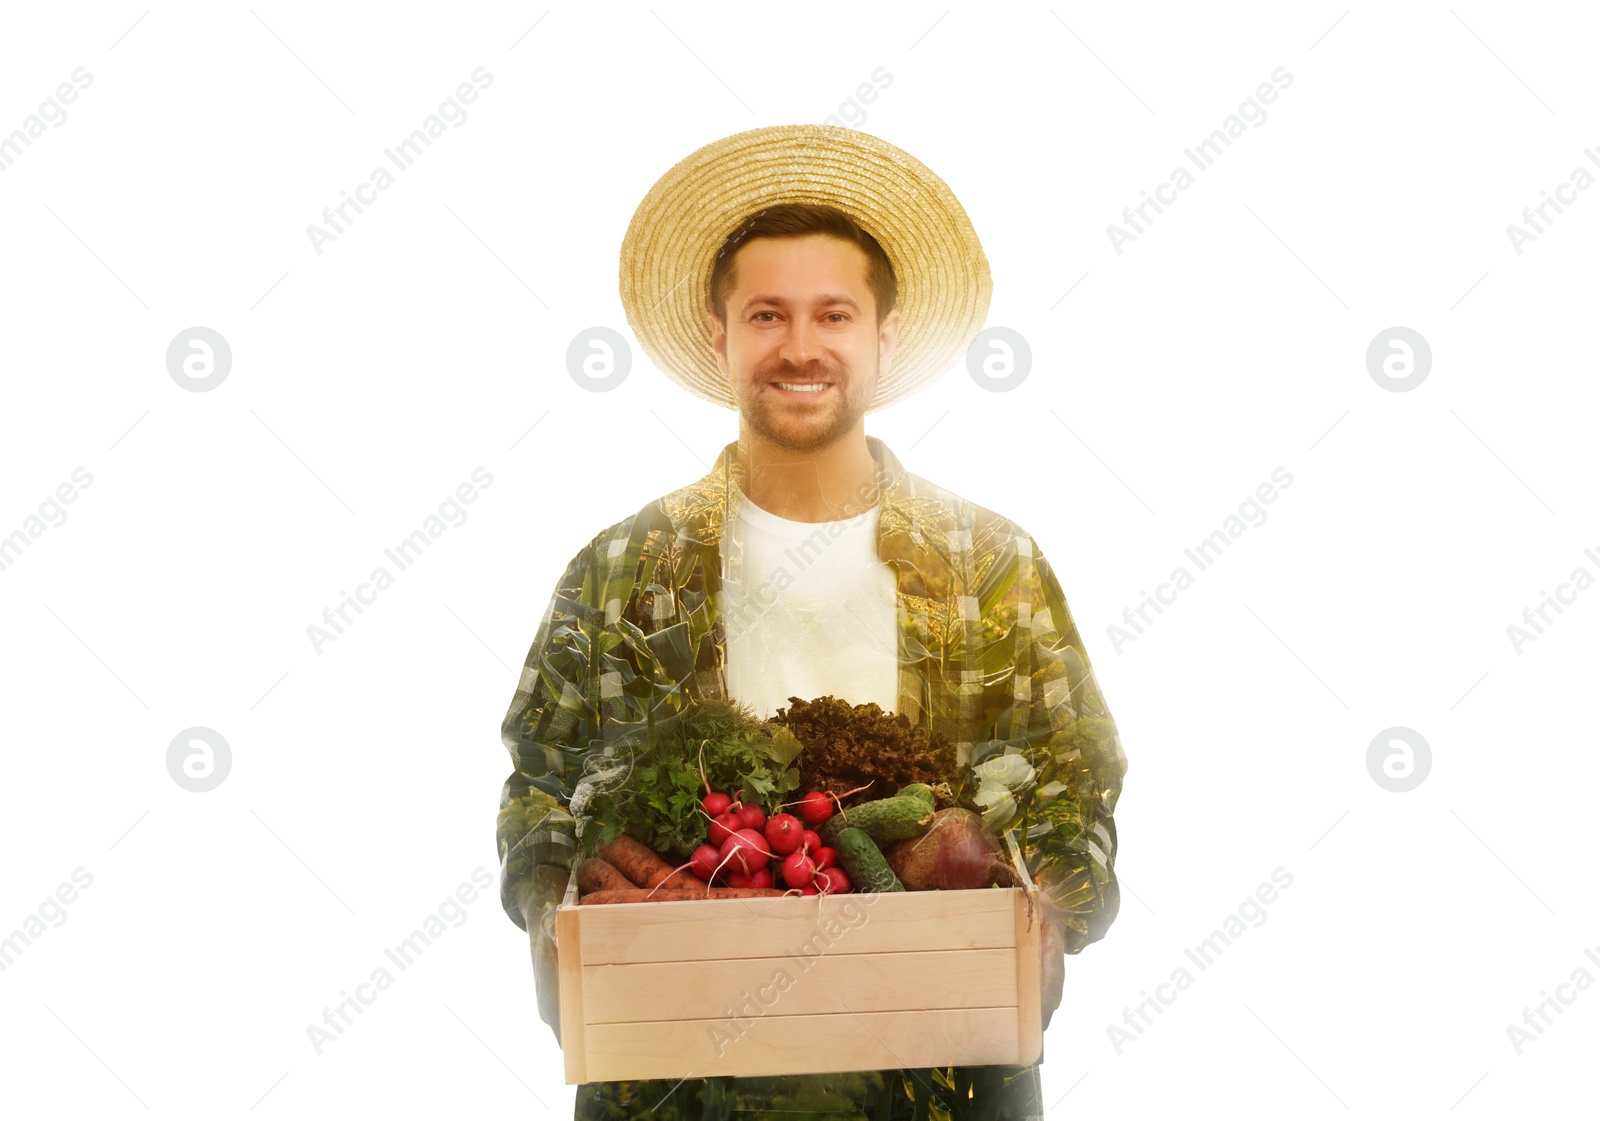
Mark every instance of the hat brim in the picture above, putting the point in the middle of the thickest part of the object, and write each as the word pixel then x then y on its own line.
pixel 939 265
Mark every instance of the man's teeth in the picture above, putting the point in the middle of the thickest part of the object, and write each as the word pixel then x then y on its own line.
pixel 815 387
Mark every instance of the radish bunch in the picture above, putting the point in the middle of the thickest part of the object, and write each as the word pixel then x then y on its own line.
pixel 743 844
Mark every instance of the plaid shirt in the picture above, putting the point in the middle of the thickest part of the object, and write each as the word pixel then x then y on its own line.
pixel 987 651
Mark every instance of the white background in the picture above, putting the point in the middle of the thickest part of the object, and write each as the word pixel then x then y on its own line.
pixel 368 381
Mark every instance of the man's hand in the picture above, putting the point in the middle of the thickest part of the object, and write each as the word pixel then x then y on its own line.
pixel 539 914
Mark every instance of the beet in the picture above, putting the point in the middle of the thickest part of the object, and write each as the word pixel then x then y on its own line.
pixel 955 852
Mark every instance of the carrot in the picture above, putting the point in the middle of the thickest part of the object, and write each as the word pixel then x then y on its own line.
pixel 645 895
pixel 595 874
pixel 681 879
pixel 635 860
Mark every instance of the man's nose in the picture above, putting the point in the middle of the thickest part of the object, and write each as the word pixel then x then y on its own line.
pixel 802 343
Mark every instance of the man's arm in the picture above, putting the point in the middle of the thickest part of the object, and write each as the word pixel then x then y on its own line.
pixel 1073 860
pixel 547 730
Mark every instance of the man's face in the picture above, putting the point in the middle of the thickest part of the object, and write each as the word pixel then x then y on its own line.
pixel 801 314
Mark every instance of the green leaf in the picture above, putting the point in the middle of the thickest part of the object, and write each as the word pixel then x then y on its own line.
pixel 784 748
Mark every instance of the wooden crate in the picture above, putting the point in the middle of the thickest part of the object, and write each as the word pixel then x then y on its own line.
pixel 750 987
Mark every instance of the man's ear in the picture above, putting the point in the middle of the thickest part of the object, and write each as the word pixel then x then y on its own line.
pixel 719 342
pixel 888 336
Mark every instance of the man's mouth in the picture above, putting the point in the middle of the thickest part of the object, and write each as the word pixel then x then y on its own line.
pixel 802 388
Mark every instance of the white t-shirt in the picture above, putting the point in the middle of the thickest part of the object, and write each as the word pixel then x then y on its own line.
pixel 809 610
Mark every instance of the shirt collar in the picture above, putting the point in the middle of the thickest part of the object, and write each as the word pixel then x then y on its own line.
pixel 700 511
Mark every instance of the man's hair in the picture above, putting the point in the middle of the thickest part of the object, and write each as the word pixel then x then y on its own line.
pixel 798 219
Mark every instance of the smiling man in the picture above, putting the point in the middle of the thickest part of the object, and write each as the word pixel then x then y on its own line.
pixel 802 354
pixel 804 326
pixel 805 276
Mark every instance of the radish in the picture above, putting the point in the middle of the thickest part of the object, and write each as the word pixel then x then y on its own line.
pixel 798 870
pixel 809 889
pixel 702 867
pixel 833 881
pixel 750 816
pixel 784 833
pixel 739 879
pixel 746 851
pixel 703 862
pixel 761 877
pixel 716 803
pixel 812 841
pixel 826 857
pixel 815 808
pixel 723 826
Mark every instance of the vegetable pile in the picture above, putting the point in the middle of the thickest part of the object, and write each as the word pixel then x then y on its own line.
pixel 702 811
pixel 744 854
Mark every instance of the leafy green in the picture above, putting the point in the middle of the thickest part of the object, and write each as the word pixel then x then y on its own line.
pixel 652 792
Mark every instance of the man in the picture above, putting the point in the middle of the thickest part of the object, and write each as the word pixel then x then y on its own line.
pixel 809 562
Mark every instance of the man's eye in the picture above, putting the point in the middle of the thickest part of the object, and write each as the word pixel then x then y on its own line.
pixel 838 315
pixel 759 314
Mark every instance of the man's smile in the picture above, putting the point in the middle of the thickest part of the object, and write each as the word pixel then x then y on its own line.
pixel 801 390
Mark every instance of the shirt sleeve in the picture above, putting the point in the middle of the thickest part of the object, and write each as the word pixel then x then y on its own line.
pixel 1071 845
pixel 547 729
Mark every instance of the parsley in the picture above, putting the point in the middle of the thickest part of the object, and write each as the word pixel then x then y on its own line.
pixel 652 793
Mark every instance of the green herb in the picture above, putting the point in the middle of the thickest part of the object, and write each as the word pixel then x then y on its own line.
pixel 652 793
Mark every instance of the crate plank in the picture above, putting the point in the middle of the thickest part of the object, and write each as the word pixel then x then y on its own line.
pixel 801 1045
pixel 701 930
pixel 1030 1017
pixel 790 986
pixel 569 970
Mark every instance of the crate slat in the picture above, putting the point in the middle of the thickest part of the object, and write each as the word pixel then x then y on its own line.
pixel 800 1045
pixel 1030 1016
pixel 703 930
pixel 569 969
pixel 788 986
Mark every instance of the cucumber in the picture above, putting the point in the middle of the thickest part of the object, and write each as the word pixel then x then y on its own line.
pixel 887 820
pixel 862 860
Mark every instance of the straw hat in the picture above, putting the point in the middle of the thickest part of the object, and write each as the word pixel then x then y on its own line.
pixel 672 242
